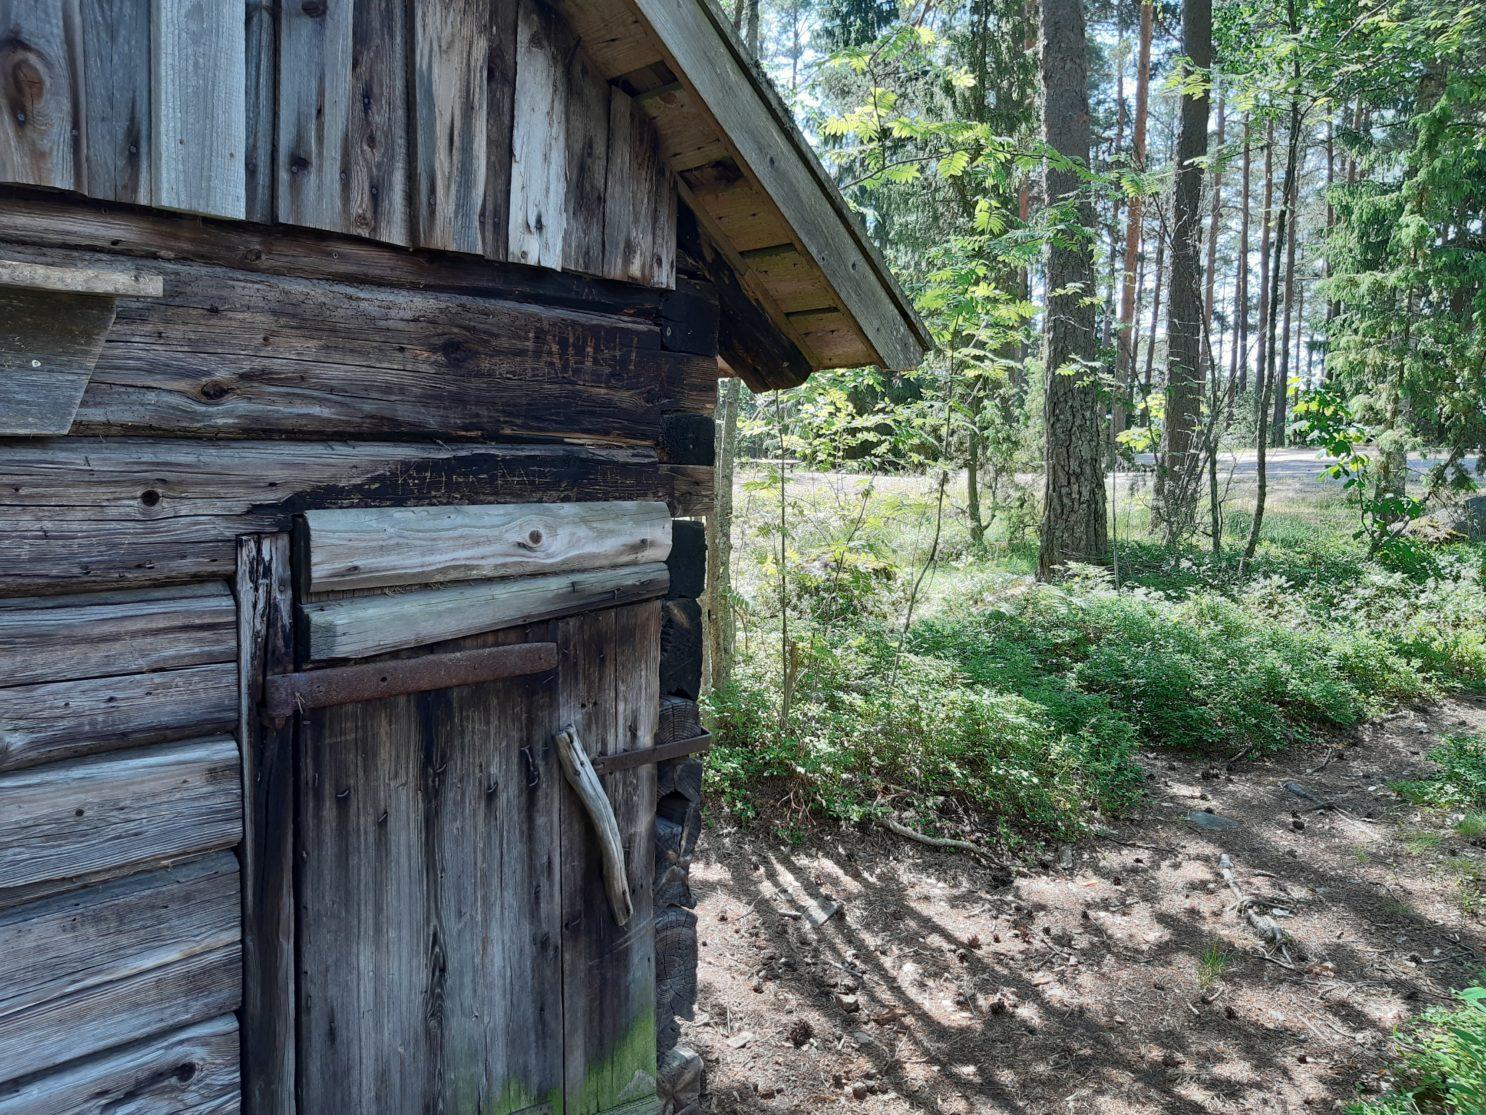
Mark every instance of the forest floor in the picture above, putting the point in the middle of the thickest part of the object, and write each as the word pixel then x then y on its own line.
pixel 1116 976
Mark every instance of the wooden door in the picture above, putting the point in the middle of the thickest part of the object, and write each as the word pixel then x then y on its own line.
pixel 455 948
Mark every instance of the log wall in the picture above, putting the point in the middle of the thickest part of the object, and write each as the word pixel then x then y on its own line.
pixel 472 126
pixel 282 376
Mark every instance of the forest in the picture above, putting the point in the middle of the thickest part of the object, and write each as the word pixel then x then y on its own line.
pixel 1109 689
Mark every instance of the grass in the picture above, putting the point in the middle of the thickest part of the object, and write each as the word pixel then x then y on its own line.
pixel 1212 965
pixel 1422 843
pixel 1472 826
pixel 1441 1068
pixel 1461 780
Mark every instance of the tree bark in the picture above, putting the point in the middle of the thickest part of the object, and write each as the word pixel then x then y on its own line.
pixel 1239 362
pixel 1184 315
pixel 1282 371
pixel 1215 220
pixel 1125 358
pixel 1074 525
pixel 1266 222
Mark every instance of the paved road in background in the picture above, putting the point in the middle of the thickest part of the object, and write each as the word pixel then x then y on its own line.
pixel 1290 464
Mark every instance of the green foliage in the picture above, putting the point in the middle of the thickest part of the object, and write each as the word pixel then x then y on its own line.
pixel 1460 783
pixel 1442 1070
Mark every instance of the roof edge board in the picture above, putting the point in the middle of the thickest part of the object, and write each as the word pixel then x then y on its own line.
pixel 776 155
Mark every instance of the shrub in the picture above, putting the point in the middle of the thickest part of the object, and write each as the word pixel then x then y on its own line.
pixel 1460 783
pixel 1442 1070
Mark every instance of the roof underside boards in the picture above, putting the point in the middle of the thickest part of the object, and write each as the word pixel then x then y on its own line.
pixel 759 193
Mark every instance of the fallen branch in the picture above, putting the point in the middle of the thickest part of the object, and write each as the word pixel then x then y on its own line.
pixel 1248 907
pixel 939 841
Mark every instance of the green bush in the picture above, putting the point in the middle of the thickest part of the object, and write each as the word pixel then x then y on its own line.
pixel 1442 1070
pixel 860 741
pixel 1460 783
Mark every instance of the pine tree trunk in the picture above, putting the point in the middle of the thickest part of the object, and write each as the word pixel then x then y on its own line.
pixel 1214 221
pixel 1125 353
pixel 1266 222
pixel 1074 526
pixel 1180 473
pixel 1282 372
pixel 1239 364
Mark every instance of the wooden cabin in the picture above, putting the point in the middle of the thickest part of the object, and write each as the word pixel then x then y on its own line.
pixel 357 361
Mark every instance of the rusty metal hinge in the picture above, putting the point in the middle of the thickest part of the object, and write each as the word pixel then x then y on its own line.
pixel 286 694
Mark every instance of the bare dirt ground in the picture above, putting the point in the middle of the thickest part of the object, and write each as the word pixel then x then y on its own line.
pixel 943 984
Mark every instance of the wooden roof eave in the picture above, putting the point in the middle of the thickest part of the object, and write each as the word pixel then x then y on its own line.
pixel 867 318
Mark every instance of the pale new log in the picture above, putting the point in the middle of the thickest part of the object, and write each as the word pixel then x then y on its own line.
pixel 580 775
pixel 96 968
pixel 98 634
pixel 194 1070
pixel 95 815
pixel 68 719
pixel 359 548
pixel 360 626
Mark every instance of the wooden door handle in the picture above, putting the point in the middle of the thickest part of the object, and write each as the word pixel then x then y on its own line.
pixel 584 780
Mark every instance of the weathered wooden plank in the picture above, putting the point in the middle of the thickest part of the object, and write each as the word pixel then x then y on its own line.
pixel 237 354
pixel 539 138
pixel 588 162
pixel 358 626
pixel 98 814
pixel 193 1071
pixel 500 94
pixel 451 47
pixel 32 217
pixel 640 207
pixel 377 547
pixel 116 53
pixel 429 905
pixel 265 645
pixel 49 345
pixel 607 690
pixel 67 719
pixel 199 107
pixel 144 511
pixel 261 39
pixel 689 318
pixel 98 634
pixel 343 118
pixel 43 125
pixel 104 280
pixel 86 971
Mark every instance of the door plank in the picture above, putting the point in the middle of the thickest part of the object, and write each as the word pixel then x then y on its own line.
pixel 265 646
pixel 429 903
pixel 609 690
pixel 588 164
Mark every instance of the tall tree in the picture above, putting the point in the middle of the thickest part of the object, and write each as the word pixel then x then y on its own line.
pixel 1125 353
pixel 1074 523
pixel 1238 367
pixel 1184 305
